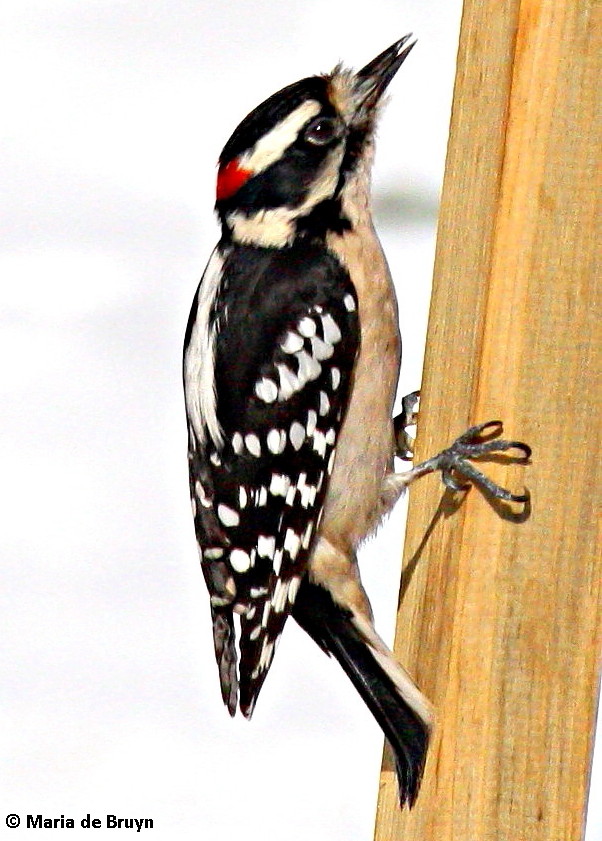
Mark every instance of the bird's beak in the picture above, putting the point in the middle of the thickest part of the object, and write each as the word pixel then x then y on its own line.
pixel 373 79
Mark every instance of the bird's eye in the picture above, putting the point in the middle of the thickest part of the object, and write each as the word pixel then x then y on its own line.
pixel 321 131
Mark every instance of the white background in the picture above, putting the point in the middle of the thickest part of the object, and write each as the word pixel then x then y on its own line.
pixel 113 115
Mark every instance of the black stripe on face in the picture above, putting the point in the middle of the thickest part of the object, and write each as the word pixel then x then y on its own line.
pixel 285 183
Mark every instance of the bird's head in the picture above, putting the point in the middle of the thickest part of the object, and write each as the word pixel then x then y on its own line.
pixel 284 171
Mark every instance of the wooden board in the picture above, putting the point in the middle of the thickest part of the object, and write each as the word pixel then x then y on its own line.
pixel 501 620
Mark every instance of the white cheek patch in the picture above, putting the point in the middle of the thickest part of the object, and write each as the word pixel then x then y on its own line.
pixel 270 147
pixel 275 227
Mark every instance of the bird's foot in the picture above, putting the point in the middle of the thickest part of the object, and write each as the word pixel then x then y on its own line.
pixel 404 440
pixel 457 472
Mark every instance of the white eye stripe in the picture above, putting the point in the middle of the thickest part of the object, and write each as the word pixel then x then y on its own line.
pixel 272 145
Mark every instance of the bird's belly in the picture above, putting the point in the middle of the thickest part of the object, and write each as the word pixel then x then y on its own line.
pixel 365 444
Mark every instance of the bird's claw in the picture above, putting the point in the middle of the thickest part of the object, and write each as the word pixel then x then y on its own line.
pixel 404 440
pixel 477 441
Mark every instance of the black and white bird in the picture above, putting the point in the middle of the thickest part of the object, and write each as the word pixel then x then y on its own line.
pixel 291 363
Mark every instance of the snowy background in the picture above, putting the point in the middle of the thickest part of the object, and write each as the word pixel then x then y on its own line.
pixel 113 115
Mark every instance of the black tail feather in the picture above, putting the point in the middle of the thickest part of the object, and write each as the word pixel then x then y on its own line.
pixel 333 629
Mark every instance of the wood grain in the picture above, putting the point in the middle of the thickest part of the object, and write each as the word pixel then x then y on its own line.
pixel 501 620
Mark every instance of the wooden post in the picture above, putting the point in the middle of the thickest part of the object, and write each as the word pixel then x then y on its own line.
pixel 501 620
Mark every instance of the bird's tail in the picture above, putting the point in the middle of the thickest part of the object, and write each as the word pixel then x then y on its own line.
pixel 402 712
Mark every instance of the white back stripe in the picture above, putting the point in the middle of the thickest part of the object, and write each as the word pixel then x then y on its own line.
pixel 199 360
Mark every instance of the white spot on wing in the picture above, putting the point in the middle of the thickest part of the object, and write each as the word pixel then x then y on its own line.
pixel 293 588
pixel 227 515
pixel 292 342
pixel 237 443
pixel 267 652
pixel 292 542
pixel 319 443
pixel 242 497
pixel 349 302
pixel 335 378
pixel 265 615
pixel 203 498
pixel 312 420
pixel 279 596
pixel 240 561
pixel 253 445
pixel 309 368
pixel 332 333
pixel 279 484
pixel 306 539
pixel 266 390
pixel 324 403
pixel 307 327
pixel 266 546
pixel 277 562
pixel 297 435
pixel 289 383
pixel 213 552
pixel 308 495
pixel 331 462
pixel 321 350
pixel 276 441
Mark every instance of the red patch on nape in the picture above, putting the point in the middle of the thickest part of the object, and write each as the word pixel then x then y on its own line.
pixel 230 178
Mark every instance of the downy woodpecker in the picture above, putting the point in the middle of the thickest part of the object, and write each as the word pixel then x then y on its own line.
pixel 291 362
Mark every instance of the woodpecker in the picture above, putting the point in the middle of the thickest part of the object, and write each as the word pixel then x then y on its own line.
pixel 291 363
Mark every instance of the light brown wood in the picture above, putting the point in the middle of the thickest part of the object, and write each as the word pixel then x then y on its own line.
pixel 501 620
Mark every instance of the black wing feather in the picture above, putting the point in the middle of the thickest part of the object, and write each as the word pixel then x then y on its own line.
pixel 287 335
